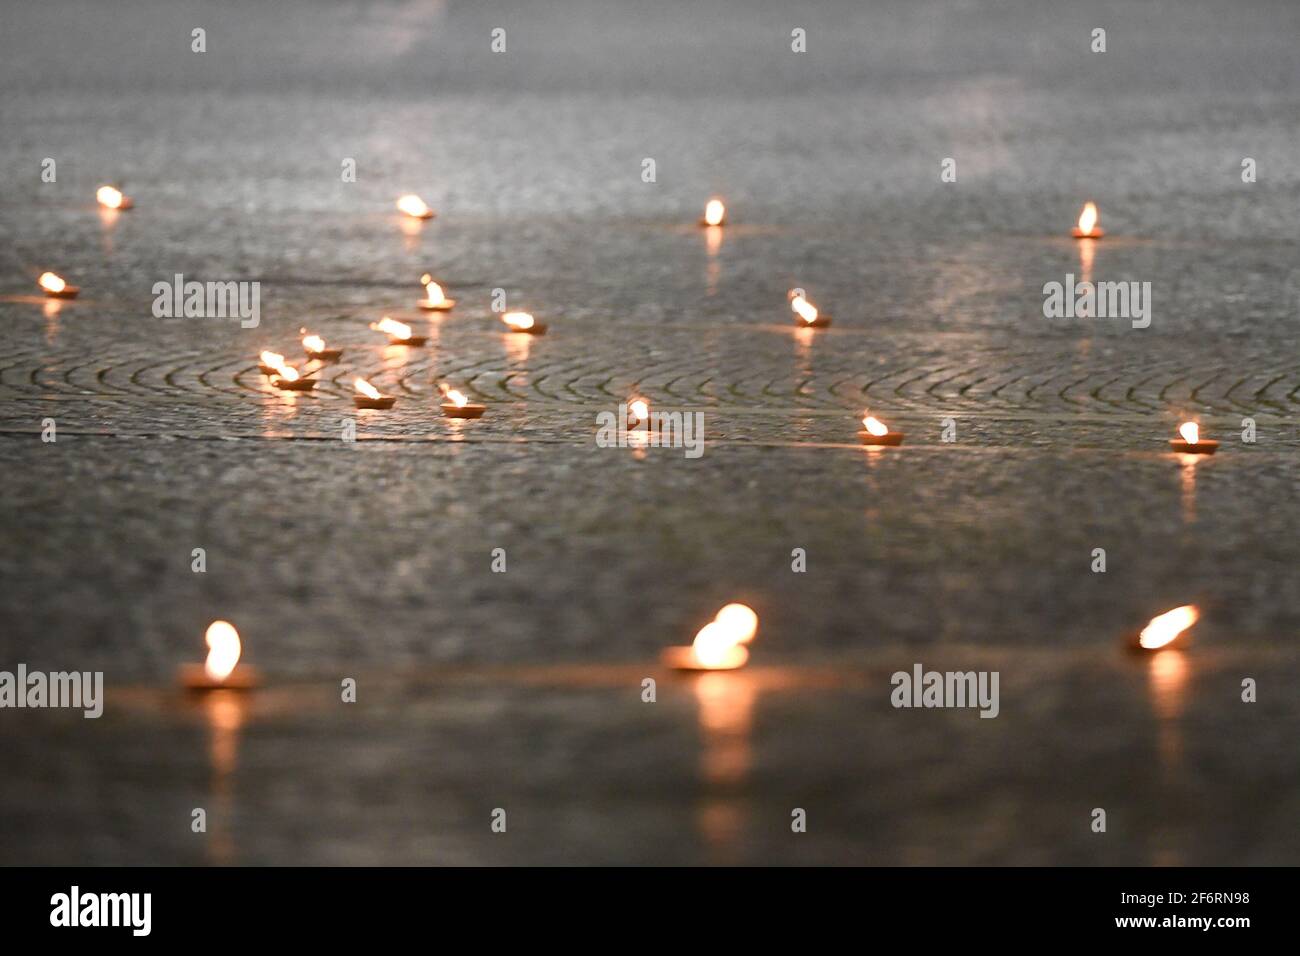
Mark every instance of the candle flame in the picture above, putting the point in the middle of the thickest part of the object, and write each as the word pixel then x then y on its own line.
pixel 453 396
pixel 1165 628
pixel 223 650
pixel 518 320
pixel 414 206
pixel 805 309
pixel 432 290
pixel 398 330
pixel 875 426
pixel 52 283
pixel 365 388
pixel 720 644
pixel 1190 431
pixel 288 373
pixel 639 409
pixel 714 212
pixel 109 197
pixel 1088 218
pixel 313 343
pixel 272 360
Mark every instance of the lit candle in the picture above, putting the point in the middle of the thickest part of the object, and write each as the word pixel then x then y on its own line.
pixel 715 213
pixel 414 207
pixel 1192 443
pixel 719 645
pixel 1087 227
pixel 315 348
pixel 56 288
pixel 806 314
pixel 458 406
pixel 220 670
pixel 111 198
pixel 399 333
pixel 434 300
pixel 270 363
pixel 368 396
pixel 1165 629
pixel 876 432
pixel 638 413
pixel 288 379
pixel 524 323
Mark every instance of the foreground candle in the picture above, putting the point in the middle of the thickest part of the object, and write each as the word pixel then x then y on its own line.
pixel 524 323
pixel 434 300
pixel 289 379
pixel 1087 227
pixel 806 313
pixel 368 396
pixel 1165 629
pixel 876 432
pixel 414 207
pixel 719 645
pixel 315 348
pixel 111 198
pixel 458 406
pixel 220 671
pixel 1191 442
pixel 715 213
pixel 399 333
pixel 270 363
pixel 56 288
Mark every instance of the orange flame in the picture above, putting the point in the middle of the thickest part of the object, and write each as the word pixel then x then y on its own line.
pixel 875 426
pixel 714 212
pixel 313 343
pixel 1191 432
pixel 639 409
pixel 365 388
pixel 432 290
pixel 109 197
pixel 1165 628
pixel 1088 218
pixel 223 650
pixel 272 360
pixel 51 283
pixel 455 397
pixel 288 373
pixel 720 644
pixel 414 206
pixel 518 320
pixel 398 330
pixel 805 309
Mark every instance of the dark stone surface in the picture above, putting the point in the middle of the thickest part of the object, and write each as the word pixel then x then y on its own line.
pixel 522 690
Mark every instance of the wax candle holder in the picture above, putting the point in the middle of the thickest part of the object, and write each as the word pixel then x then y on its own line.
pixel 293 384
pixel 818 323
pixel 382 402
pixel 888 438
pixel 415 341
pixel 1206 446
pixel 196 679
pixel 684 658
pixel 66 291
pixel 323 355
pixel 468 410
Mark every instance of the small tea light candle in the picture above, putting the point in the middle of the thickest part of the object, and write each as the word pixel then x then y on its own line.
pixel 55 288
pixel 638 414
pixel 458 406
pixel 876 432
pixel 434 300
pixel 111 198
pixel 414 207
pixel 523 323
pixel 368 396
pixel 1191 442
pixel 719 645
pixel 806 314
pixel 1087 227
pixel 715 213
pixel 220 670
pixel 270 363
pixel 1165 629
pixel 399 333
pixel 316 349
pixel 288 379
